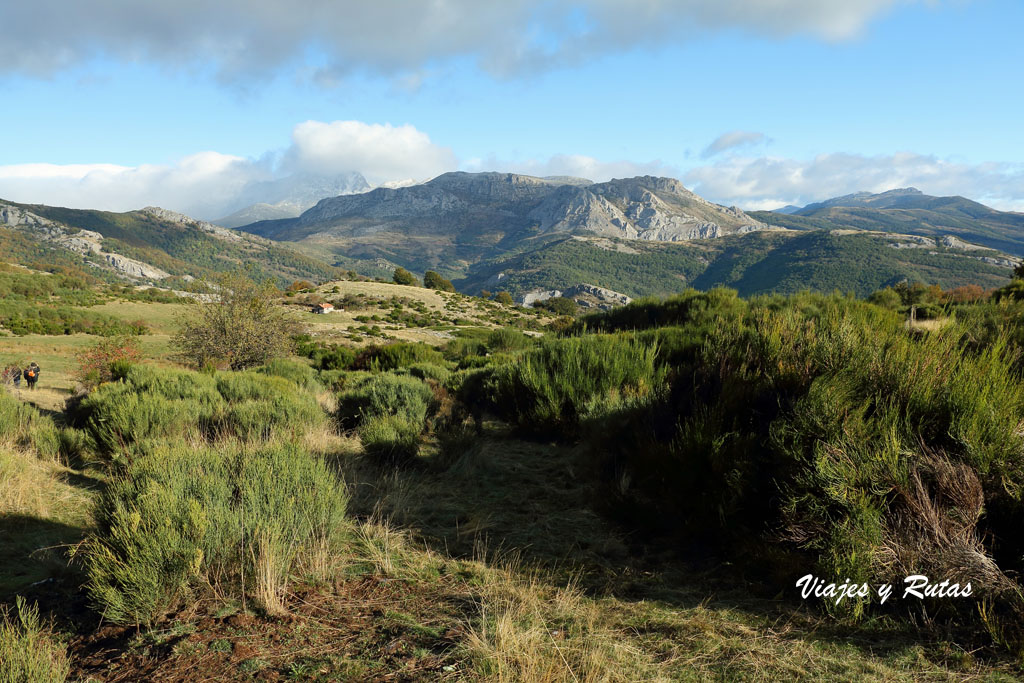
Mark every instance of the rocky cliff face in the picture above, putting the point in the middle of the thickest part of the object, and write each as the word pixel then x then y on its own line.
pixel 587 296
pixel 645 208
pixel 175 217
pixel 84 242
pixel 467 204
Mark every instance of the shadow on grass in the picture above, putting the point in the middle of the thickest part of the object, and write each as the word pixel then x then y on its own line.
pixel 530 504
pixel 34 551
pixel 82 480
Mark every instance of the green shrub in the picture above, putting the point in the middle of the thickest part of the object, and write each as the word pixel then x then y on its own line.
pixel 325 356
pixel 555 388
pixel 338 380
pixel 432 280
pixel 118 416
pixel 393 438
pixel 395 356
pixel 385 395
pixel 818 431
pixel 558 305
pixel 505 339
pixel 460 349
pixel 160 404
pixel 28 651
pixel 173 384
pixel 295 371
pixel 719 307
pixel 404 277
pixel 259 406
pixel 234 517
pixel 432 371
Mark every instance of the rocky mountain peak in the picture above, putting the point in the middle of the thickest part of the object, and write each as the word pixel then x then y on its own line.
pixel 481 208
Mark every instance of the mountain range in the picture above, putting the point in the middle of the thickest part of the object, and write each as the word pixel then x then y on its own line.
pixel 523 234
pixel 459 219
pixel 909 211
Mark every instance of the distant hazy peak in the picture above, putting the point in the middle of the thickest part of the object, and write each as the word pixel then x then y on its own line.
pixel 888 199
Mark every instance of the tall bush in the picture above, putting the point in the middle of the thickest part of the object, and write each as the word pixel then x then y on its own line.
pixel 564 383
pixel 238 518
pixel 823 427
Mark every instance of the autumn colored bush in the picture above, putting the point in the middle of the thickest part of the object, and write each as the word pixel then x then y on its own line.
pixel 109 357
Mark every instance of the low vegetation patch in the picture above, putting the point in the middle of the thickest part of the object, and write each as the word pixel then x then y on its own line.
pixel 236 519
pixel 28 649
pixel 151 404
pixel 565 383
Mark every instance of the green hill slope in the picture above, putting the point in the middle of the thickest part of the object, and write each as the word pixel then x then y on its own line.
pixel 770 261
pixel 181 247
pixel 909 212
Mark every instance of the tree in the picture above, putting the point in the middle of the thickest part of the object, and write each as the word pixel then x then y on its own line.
pixel 559 305
pixel 242 328
pixel 886 298
pixel 432 280
pixel 485 294
pixel 504 298
pixel 404 277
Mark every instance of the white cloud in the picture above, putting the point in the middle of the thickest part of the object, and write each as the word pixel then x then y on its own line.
pixel 198 183
pixel 771 182
pixel 577 165
pixel 245 37
pixel 381 152
pixel 732 140
pixel 211 185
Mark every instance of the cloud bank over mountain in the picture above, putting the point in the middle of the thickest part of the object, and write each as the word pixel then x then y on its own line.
pixel 247 38
pixel 771 182
pixel 211 184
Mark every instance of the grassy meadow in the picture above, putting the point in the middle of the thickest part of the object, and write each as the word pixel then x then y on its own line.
pixel 628 496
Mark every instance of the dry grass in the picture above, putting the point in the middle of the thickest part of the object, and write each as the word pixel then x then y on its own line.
pixel 271 576
pixel 531 620
pixel 40 511
pixel 161 318
pixel 929 325
pixel 433 299
pixel 528 630
pixel 338 324
pixel 33 487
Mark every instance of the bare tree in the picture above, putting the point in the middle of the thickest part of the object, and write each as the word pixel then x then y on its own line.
pixel 242 327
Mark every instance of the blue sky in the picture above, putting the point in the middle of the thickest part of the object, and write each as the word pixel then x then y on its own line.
pixel 183 106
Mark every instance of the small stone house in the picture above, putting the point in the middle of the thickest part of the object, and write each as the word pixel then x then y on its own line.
pixel 323 308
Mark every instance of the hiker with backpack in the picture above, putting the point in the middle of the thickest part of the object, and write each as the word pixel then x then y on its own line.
pixel 32 375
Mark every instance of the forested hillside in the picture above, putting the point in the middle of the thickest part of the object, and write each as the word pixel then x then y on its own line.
pixel 760 262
